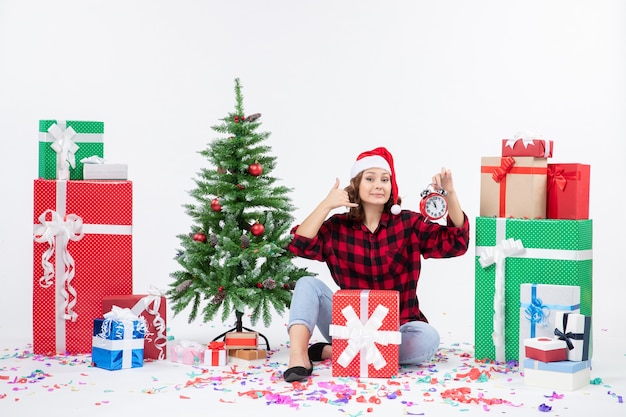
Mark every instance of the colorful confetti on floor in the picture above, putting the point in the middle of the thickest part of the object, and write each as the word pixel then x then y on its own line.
pixel 453 381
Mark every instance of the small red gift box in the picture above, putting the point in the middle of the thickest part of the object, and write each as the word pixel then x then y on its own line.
pixel 513 187
pixel 215 355
pixel 568 191
pixel 365 331
pixel 539 148
pixel 152 309
pixel 241 340
pixel 82 252
pixel 545 349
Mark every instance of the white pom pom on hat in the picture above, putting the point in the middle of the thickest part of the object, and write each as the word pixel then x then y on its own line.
pixel 378 158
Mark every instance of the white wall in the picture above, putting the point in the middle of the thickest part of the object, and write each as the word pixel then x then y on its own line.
pixel 438 83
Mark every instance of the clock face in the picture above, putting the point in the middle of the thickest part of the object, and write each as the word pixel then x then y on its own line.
pixel 435 206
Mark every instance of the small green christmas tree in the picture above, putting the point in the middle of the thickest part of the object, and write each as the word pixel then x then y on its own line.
pixel 236 256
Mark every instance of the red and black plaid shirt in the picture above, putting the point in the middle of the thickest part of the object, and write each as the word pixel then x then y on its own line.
pixel 388 259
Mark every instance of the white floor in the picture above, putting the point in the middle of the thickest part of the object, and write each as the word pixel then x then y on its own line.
pixel 69 386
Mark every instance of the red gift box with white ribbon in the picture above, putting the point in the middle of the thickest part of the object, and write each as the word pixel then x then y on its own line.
pixel 527 146
pixel 152 308
pixel 365 331
pixel 82 252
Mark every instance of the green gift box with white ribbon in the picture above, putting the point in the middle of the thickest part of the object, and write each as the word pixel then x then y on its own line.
pixel 64 143
pixel 513 251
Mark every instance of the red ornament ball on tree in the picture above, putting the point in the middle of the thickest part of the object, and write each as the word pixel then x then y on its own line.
pixel 255 169
pixel 257 229
pixel 215 205
pixel 259 285
pixel 199 237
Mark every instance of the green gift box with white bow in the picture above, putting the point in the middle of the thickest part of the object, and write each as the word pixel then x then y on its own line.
pixel 514 251
pixel 75 140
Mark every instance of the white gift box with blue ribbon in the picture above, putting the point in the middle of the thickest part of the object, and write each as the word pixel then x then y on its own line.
pixel 539 304
pixel 562 375
pixel 118 340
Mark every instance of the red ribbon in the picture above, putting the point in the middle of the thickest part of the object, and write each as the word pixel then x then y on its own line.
pixel 216 345
pixel 558 177
pixel 505 167
pixel 498 174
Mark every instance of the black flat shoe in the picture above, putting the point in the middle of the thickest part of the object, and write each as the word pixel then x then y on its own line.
pixel 298 373
pixel 315 351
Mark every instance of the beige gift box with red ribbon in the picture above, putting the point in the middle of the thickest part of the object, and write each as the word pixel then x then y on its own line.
pixel 513 187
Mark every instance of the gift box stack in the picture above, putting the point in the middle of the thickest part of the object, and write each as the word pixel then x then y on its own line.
pixel 244 345
pixel 533 248
pixel 561 361
pixel 82 249
pixel 151 308
pixel 365 330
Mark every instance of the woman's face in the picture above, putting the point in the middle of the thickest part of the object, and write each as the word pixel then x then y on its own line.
pixel 375 186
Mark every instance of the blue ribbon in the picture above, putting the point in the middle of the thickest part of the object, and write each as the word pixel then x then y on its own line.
pixel 537 313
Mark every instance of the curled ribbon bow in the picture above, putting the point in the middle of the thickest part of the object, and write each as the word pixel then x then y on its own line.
pixel 497 256
pixel 57 232
pixel 506 164
pixel 151 304
pixel 537 312
pixel 64 147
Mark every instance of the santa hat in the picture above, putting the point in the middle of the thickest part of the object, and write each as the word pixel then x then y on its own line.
pixel 378 158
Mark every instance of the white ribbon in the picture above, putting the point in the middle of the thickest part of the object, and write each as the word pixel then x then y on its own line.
pixel 57 232
pixel 64 147
pixel 497 255
pixel 123 339
pixel 144 304
pixel 525 137
pixel 94 159
pixel 363 335
pixel 120 313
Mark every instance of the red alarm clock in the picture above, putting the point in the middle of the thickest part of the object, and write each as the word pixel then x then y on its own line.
pixel 433 204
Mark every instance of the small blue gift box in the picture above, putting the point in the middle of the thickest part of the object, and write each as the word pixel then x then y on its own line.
pixel 118 344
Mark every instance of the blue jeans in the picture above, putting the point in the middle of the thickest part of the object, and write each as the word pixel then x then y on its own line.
pixel 311 305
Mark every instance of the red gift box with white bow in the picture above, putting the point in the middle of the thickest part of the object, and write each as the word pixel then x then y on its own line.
pixel 152 307
pixel 82 252
pixel 365 331
pixel 523 146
